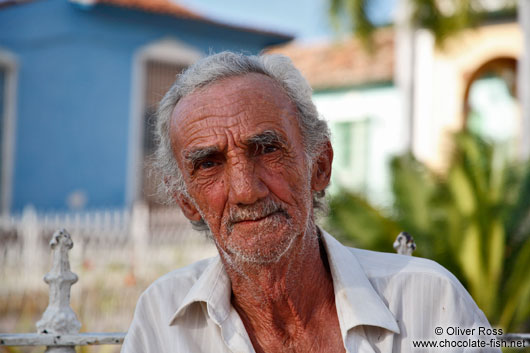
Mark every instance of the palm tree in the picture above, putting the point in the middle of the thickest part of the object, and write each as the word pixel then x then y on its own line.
pixel 474 220
pixel 443 18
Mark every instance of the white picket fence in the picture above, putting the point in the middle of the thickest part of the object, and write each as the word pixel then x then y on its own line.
pixel 140 239
pixel 139 234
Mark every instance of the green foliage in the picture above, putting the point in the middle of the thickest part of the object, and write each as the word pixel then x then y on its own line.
pixel 356 11
pixel 442 22
pixel 370 228
pixel 474 220
pixel 427 14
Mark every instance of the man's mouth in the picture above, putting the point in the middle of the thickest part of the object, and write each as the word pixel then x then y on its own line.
pixel 260 218
pixel 266 212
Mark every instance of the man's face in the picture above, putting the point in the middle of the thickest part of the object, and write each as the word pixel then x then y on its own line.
pixel 241 153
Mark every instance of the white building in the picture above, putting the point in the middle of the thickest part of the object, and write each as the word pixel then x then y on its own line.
pixel 378 107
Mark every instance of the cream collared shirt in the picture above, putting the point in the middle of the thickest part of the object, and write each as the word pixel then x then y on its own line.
pixel 385 303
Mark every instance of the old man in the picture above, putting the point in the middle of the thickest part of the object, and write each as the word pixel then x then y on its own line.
pixel 246 157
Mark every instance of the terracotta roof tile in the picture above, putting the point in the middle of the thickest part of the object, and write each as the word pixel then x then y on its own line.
pixel 167 7
pixel 344 63
pixel 172 8
pixel 156 6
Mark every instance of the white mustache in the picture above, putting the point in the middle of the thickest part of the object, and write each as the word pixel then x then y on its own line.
pixel 258 210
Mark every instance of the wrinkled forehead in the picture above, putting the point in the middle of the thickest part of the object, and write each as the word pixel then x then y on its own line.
pixel 242 104
pixel 233 89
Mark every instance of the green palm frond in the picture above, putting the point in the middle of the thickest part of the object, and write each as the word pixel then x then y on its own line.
pixel 443 22
pixel 474 220
pixel 352 14
pixel 361 224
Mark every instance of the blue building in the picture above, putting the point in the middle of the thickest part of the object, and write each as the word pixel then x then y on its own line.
pixel 79 81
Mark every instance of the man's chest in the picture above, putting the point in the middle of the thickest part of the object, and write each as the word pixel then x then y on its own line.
pixel 198 333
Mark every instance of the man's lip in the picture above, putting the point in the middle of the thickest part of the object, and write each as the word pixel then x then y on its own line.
pixel 259 219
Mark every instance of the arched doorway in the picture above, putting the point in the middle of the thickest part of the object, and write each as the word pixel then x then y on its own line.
pixel 490 104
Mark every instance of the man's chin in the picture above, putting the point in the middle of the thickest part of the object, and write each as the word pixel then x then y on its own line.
pixel 262 255
pixel 267 247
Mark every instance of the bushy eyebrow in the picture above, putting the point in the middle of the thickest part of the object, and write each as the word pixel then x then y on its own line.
pixel 267 137
pixel 195 155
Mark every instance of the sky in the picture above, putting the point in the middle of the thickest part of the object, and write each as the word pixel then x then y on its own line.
pixel 307 20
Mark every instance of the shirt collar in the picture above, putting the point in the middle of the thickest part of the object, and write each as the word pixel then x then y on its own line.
pixel 214 288
pixel 356 300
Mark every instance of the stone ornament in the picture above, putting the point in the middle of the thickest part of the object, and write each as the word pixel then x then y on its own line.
pixel 404 244
pixel 59 318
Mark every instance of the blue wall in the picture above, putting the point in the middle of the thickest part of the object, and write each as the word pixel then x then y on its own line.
pixel 74 91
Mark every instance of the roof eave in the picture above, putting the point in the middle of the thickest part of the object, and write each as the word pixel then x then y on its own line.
pixel 279 37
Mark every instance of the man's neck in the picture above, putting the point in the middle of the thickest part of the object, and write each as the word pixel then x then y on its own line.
pixel 287 299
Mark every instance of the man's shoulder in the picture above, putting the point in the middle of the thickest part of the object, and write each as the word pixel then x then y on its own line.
pixel 391 267
pixel 158 305
pixel 173 286
pixel 409 281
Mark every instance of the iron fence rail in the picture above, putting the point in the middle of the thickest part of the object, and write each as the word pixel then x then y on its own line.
pixel 58 328
pixel 50 340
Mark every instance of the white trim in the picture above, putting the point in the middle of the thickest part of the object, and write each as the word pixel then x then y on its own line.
pixel 168 50
pixel 9 62
pixel 84 2
pixel 523 76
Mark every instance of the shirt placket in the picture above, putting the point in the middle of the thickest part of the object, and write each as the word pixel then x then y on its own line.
pixel 235 335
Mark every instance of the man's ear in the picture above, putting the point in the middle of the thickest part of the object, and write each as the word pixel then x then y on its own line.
pixel 322 168
pixel 188 208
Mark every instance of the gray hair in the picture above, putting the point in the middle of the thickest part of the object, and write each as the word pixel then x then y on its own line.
pixel 315 131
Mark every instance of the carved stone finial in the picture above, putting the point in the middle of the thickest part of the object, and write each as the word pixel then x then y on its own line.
pixel 404 244
pixel 59 318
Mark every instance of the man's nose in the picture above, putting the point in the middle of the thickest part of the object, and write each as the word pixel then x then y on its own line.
pixel 245 186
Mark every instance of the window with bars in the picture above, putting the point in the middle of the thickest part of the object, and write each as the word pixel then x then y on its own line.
pixel 3 93
pixel 160 75
pixel 351 141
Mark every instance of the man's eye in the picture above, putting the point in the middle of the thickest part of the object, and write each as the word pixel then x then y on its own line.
pixel 269 149
pixel 207 164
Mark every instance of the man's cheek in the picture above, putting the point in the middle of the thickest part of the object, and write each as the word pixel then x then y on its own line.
pixel 212 200
pixel 289 187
